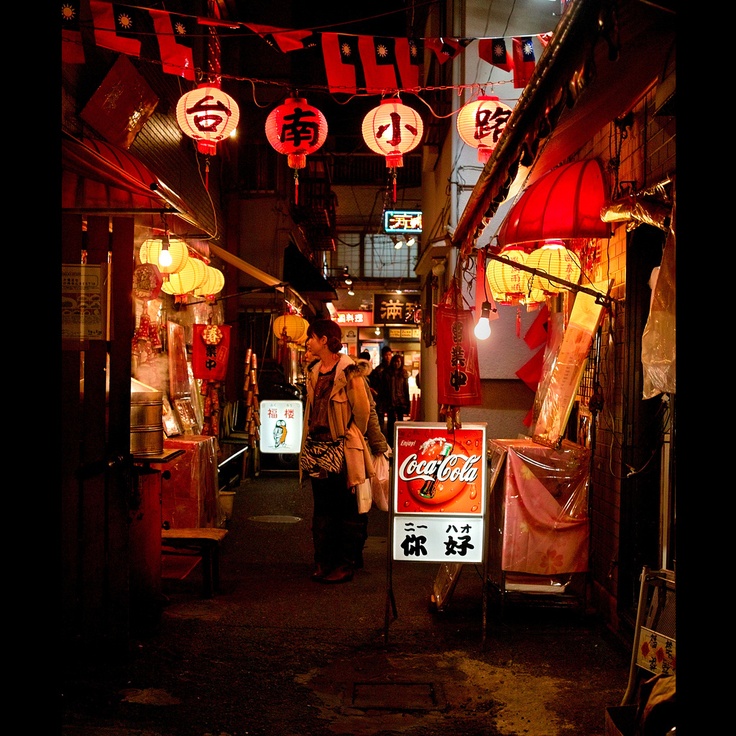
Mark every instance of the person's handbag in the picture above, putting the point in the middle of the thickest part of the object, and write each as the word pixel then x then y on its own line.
pixel 380 481
pixel 320 455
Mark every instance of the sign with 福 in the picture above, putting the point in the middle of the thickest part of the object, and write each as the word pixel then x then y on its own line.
pixel 281 426
pixel 438 506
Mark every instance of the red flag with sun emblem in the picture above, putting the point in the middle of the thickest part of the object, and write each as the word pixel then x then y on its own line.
pixel 371 63
pixel 116 27
pixel 174 34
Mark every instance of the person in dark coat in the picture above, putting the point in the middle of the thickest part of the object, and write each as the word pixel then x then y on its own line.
pixel 379 388
pixel 397 382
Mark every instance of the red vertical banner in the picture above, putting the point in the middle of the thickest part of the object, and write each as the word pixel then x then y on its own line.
pixel 210 350
pixel 458 373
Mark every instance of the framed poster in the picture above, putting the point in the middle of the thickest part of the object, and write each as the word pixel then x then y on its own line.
pixel 439 502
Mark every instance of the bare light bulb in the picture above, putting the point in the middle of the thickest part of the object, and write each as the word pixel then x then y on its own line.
pixel 482 329
pixel 164 256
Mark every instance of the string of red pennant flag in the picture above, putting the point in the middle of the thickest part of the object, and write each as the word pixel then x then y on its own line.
pixel 372 64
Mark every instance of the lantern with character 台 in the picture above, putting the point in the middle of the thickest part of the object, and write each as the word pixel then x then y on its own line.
pixel 207 115
pixel 296 129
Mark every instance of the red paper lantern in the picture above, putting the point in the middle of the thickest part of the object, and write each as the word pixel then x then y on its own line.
pixel 296 129
pixel 391 130
pixel 481 122
pixel 208 115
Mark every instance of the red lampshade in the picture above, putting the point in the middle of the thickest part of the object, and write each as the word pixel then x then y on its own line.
pixel 208 115
pixel 392 129
pixel 296 129
pixel 481 122
pixel 564 204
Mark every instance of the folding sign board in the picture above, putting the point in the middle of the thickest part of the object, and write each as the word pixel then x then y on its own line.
pixel 439 500
pixel 281 426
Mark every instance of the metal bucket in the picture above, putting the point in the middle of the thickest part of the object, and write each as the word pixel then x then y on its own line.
pixel 146 427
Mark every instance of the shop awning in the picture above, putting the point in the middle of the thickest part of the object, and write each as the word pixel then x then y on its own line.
pixel 100 177
pixel 600 60
pixel 566 203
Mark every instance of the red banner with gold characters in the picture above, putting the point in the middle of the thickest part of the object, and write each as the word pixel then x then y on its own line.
pixel 210 350
pixel 458 373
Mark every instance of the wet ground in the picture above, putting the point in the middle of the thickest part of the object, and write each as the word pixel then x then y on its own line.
pixel 276 654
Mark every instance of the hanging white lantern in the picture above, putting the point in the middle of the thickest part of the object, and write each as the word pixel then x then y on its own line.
pixel 555 259
pixel 213 283
pixel 208 115
pixel 152 249
pixel 391 130
pixel 187 280
pixel 508 283
pixel 481 122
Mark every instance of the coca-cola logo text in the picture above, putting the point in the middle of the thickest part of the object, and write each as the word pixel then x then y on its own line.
pixel 449 468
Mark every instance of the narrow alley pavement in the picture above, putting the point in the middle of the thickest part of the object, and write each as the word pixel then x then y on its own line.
pixel 276 654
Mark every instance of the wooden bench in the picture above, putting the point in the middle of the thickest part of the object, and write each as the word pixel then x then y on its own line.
pixel 206 543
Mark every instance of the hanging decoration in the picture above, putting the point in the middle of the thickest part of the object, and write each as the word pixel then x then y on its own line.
pixel 210 350
pixel 153 251
pixel 296 129
pixel 481 122
pixel 555 259
pixel 391 130
pixel 147 282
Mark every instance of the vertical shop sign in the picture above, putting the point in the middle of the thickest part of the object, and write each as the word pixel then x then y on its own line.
pixel 281 426
pixel 438 506
pixel 83 311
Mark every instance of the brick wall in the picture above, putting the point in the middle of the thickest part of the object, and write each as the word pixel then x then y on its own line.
pixel 646 157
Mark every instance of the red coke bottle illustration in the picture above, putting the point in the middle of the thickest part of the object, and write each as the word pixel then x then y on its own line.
pixel 428 489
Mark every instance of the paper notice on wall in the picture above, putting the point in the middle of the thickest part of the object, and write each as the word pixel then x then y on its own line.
pixel 559 387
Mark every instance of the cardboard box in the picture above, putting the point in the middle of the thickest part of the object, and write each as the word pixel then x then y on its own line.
pixel 621 720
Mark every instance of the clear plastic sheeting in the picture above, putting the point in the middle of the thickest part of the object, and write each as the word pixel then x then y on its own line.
pixel 636 211
pixel 544 523
pixel 658 354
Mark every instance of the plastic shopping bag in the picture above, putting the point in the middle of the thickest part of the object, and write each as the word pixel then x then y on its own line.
pixel 380 482
pixel 363 494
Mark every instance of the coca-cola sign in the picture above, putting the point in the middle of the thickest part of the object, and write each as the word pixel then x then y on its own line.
pixel 439 471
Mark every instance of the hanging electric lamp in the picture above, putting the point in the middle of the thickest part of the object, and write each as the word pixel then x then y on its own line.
pixel 169 254
pixel 481 122
pixel 508 284
pixel 188 279
pixel 213 282
pixel 391 130
pixel 297 129
pixel 291 328
pixel 555 259
pixel 207 115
